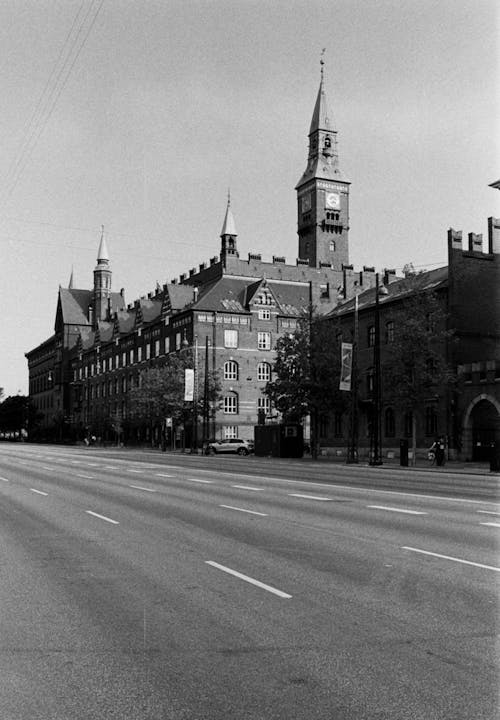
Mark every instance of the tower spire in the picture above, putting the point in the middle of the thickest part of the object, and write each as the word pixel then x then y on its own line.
pixel 228 233
pixel 102 282
pixel 70 284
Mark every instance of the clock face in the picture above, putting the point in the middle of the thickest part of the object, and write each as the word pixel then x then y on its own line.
pixel 332 200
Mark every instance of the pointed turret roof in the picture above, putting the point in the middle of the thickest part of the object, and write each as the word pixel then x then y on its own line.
pixel 70 284
pixel 102 253
pixel 322 118
pixel 228 226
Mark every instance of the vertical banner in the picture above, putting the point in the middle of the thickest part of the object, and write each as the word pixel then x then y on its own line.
pixel 188 384
pixel 346 369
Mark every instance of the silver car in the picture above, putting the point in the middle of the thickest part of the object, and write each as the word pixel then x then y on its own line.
pixel 234 445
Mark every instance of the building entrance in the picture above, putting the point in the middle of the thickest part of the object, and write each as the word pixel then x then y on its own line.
pixel 485 421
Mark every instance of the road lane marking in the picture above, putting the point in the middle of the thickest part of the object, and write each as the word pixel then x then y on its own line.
pixel 248 579
pixel 87 477
pixel 309 497
pixel 4 479
pixel 247 487
pixel 163 475
pixel 199 480
pixel 252 512
pixel 401 510
pixel 76 462
pixel 453 559
pixel 488 512
pixel 135 471
pixel 138 487
pixel 102 517
pixel 491 524
pixel 38 492
pixel 110 467
pixel 91 464
pixel 44 467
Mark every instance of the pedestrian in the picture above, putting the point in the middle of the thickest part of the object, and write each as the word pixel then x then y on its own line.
pixel 440 451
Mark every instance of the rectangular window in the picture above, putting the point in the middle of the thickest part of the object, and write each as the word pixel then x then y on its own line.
pixel 231 404
pixel 92 370
pixel 264 405
pixel 139 354
pixel 264 341
pixel 264 314
pixel 177 341
pixel 124 359
pixel 231 338
pixel 389 332
pixel 131 357
pixel 230 432
pixel 167 344
pixel 157 348
pixel 148 351
pixel 371 336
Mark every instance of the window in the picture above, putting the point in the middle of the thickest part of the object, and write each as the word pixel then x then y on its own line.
pixel 263 372
pixel 231 338
pixel 167 344
pixel 332 245
pixel 389 332
pixel 230 432
pixel 324 290
pixel 124 384
pixel 264 341
pixel 124 359
pixel 177 341
pixel 264 405
pixel 231 370
pixel 431 421
pixel 139 354
pixel 231 404
pixel 390 423
pixel 324 425
pixel 371 336
pixel 337 428
pixel 157 348
pixel 370 377
pixel 131 356
pixel 148 351
pixel 264 314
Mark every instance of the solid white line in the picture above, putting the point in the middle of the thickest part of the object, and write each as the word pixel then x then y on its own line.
pixel 138 487
pixel 308 497
pixel 38 492
pixel 252 512
pixel 454 559
pixel 198 480
pixel 4 479
pixel 102 517
pixel 408 512
pixel 491 524
pixel 87 477
pixel 270 589
pixel 163 475
pixel 488 512
pixel 247 487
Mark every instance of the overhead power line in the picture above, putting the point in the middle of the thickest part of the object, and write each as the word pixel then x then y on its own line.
pixel 55 84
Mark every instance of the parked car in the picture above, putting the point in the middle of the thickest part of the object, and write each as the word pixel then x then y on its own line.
pixel 234 445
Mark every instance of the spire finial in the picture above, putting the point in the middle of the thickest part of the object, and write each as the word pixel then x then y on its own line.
pixel 322 62
pixel 228 197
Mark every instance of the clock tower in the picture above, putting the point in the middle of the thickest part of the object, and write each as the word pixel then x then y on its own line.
pixel 323 194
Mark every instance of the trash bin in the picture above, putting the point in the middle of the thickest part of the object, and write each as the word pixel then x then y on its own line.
pixel 403 452
pixel 495 457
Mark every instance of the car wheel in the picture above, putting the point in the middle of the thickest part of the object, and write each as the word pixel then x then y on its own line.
pixel 242 451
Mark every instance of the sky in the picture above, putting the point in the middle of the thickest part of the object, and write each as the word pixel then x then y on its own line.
pixel 138 115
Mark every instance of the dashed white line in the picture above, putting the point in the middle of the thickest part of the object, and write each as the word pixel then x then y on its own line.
pixel 453 559
pixel 251 512
pixel 4 479
pixel 38 492
pixel 247 487
pixel 400 510
pixel 309 497
pixel 44 467
pixel 488 512
pixel 163 475
pixel 138 487
pixel 250 580
pixel 135 471
pixel 110 467
pixel 199 480
pixel 102 517
pixel 491 524
pixel 87 477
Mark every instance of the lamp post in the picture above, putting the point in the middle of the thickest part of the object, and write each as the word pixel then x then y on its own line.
pixel 376 424
pixel 352 448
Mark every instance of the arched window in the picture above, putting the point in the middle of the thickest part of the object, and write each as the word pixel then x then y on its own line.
pixel 389 332
pixel 390 423
pixel 332 245
pixel 231 370
pixel 231 404
pixel 264 372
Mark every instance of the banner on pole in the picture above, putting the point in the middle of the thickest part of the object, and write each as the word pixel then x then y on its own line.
pixel 188 384
pixel 346 369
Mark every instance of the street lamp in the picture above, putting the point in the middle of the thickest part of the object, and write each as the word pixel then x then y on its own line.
pixel 376 424
pixel 352 448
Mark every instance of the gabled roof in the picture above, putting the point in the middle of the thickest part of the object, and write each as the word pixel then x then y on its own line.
pixel 72 306
pixel 397 290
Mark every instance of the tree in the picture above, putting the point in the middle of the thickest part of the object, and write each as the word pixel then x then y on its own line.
pixel 416 368
pixel 307 372
pixel 160 392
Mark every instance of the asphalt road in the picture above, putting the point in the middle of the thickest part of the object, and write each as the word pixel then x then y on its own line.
pixel 158 587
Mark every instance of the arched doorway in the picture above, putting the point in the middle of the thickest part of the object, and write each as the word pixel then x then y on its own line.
pixel 484 423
